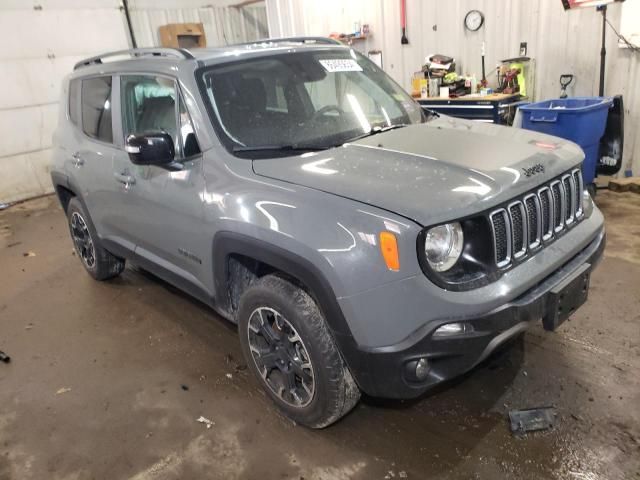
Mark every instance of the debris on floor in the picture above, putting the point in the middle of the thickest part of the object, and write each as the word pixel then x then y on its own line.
pixel 206 421
pixel 391 474
pixel 237 366
pixel 4 357
pixel 29 254
pixel 532 419
pixel 229 376
pixel 184 387
pixel 4 205
pixel 63 390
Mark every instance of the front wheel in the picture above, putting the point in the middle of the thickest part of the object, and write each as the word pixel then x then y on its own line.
pixel 289 348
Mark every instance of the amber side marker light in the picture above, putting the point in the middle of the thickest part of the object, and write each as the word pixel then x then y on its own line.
pixel 389 250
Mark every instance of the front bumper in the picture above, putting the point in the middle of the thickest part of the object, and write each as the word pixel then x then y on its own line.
pixel 382 371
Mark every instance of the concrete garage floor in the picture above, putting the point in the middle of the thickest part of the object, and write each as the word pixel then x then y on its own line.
pixel 125 348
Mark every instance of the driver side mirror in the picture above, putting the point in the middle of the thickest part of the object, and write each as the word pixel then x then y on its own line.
pixel 153 148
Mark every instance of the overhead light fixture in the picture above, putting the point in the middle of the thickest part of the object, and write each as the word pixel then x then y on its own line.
pixel 571 4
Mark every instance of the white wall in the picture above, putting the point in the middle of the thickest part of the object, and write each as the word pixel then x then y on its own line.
pixel 222 24
pixel 41 40
pixel 39 43
pixel 561 42
pixel 630 22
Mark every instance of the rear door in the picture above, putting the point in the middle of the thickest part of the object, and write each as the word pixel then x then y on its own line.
pixel 90 162
pixel 161 211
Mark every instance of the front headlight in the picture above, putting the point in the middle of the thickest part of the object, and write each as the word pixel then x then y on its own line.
pixel 587 203
pixel 443 246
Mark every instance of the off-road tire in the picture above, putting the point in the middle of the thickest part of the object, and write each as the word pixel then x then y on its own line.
pixel 335 392
pixel 105 264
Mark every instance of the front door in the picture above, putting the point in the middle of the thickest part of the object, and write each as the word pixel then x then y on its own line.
pixel 161 210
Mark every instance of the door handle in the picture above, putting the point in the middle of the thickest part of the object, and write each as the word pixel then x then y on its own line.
pixel 125 179
pixel 78 161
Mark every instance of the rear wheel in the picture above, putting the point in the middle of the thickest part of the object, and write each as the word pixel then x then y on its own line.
pixel 289 348
pixel 100 264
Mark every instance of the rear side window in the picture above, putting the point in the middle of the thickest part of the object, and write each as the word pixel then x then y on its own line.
pixel 96 108
pixel 74 98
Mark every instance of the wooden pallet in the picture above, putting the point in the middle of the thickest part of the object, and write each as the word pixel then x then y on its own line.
pixel 630 184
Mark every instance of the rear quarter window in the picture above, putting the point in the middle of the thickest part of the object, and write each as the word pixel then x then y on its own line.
pixel 96 108
pixel 74 98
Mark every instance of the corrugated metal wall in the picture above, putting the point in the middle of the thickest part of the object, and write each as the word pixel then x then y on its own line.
pixel 561 42
pixel 39 43
pixel 223 24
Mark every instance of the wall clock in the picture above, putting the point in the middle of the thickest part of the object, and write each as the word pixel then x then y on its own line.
pixel 474 20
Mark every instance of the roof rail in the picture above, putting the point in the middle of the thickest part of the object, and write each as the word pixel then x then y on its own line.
pixel 137 52
pixel 322 40
pixel 303 40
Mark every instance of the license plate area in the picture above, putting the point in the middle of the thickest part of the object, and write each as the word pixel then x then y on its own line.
pixel 566 297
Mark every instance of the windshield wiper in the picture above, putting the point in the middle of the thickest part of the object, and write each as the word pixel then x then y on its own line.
pixel 377 130
pixel 279 148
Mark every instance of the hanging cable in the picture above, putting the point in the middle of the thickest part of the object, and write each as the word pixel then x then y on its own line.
pixel 632 47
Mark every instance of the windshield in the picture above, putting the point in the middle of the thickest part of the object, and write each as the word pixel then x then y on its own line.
pixel 304 100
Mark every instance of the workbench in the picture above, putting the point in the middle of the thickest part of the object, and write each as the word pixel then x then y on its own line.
pixel 493 108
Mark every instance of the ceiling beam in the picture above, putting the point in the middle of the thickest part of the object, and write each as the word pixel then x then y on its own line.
pixel 246 3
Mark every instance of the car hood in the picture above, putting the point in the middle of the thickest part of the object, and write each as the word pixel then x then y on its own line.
pixel 431 172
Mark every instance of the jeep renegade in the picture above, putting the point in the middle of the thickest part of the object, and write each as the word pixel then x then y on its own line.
pixel 359 242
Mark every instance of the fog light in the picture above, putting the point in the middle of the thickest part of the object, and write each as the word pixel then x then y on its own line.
pixel 422 369
pixel 452 329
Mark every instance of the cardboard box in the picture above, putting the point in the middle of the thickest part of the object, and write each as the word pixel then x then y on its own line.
pixel 183 35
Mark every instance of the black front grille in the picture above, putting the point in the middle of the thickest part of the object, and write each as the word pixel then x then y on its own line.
pixel 517 224
pixel 557 205
pixel 531 205
pixel 536 218
pixel 499 222
pixel 547 212
pixel 577 181
pixel 568 195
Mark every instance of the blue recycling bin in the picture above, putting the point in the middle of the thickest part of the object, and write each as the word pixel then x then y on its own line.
pixel 580 119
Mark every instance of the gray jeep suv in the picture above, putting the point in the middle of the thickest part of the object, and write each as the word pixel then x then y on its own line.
pixel 360 243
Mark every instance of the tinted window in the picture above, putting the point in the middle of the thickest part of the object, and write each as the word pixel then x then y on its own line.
pixel 96 108
pixel 74 97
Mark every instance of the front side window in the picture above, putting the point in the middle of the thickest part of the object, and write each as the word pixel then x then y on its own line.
pixel 96 108
pixel 149 106
pixel 315 98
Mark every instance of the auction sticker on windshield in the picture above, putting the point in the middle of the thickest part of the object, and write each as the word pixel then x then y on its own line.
pixel 341 65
